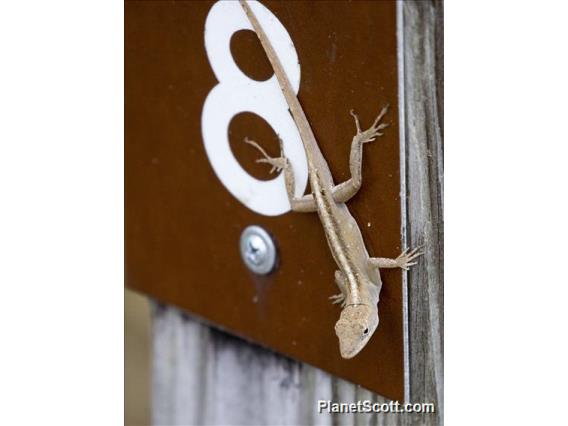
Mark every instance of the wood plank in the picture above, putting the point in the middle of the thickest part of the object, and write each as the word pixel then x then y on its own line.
pixel 204 376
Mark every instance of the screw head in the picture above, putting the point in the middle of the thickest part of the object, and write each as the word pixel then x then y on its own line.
pixel 258 250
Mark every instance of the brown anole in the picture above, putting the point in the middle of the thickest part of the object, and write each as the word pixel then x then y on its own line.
pixel 358 275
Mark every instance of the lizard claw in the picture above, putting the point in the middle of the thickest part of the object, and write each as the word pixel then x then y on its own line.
pixel 404 260
pixel 277 163
pixel 338 298
pixel 356 117
pixel 381 115
pixel 271 161
pixel 374 131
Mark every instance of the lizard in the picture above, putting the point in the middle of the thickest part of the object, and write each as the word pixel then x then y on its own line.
pixel 358 276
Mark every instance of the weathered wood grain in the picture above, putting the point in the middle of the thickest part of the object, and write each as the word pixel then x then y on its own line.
pixel 423 86
pixel 204 376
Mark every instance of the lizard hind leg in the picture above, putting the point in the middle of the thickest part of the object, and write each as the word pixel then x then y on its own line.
pixel 306 203
pixel 346 190
pixel 372 132
pixel 277 163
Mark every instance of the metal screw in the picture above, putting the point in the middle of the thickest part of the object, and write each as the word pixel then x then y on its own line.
pixel 258 250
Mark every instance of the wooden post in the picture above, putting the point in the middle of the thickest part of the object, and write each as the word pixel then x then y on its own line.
pixel 204 376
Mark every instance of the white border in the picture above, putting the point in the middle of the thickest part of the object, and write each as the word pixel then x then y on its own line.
pixel 62 213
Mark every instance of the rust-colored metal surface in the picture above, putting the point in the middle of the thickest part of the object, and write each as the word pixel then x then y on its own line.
pixel 183 226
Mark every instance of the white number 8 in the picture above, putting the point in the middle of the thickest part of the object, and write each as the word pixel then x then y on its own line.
pixel 237 93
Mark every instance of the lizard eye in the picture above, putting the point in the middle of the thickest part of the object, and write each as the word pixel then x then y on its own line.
pixel 366 331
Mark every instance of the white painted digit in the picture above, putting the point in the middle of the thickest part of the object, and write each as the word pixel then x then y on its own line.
pixel 237 93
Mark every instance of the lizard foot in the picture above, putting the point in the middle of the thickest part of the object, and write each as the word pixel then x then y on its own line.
pixel 372 132
pixel 404 260
pixel 277 163
pixel 338 298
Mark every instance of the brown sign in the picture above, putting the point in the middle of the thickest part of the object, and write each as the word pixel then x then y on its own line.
pixel 183 221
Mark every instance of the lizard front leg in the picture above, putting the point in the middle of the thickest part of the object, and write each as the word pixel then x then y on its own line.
pixel 306 203
pixel 341 297
pixel 344 191
pixel 403 261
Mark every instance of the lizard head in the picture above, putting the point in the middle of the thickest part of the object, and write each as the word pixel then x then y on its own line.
pixel 355 327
